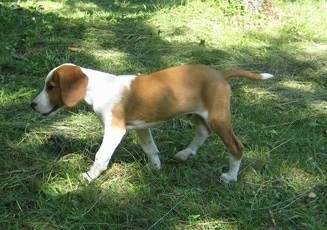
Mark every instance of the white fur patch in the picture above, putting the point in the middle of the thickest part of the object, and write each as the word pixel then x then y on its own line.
pixel 266 76
pixel 140 124
pixel 104 90
pixel 234 166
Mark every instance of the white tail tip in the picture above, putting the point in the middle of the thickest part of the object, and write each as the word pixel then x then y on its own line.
pixel 266 76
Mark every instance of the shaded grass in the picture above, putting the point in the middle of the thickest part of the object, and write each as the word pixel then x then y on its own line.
pixel 282 122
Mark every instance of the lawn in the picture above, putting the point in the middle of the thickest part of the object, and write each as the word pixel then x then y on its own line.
pixel 282 121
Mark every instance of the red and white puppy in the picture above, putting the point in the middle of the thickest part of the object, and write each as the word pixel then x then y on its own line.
pixel 140 101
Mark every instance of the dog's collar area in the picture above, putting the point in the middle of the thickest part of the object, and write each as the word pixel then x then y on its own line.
pixel 51 111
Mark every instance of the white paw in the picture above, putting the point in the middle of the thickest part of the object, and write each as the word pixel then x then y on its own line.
pixel 154 164
pixel 184 155
pixel 226 178
pixel 87 177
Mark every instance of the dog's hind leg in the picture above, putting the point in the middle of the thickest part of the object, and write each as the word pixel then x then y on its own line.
pixel 202 133
pixel 149 147
pixel 221 125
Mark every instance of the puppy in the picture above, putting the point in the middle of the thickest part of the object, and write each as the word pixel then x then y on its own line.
pixel 141 101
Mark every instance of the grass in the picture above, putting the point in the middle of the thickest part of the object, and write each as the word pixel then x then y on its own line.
pixel 282 122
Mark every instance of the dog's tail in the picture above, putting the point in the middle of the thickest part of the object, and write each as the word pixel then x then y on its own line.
pixel 246 74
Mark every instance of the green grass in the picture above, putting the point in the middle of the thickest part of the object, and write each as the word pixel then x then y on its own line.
pixel 282 122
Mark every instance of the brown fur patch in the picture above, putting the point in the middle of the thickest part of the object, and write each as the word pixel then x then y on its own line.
pixel 67 86
pixel 194 89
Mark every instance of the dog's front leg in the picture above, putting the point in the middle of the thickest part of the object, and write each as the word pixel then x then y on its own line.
pixel 111 139
pixel 149 147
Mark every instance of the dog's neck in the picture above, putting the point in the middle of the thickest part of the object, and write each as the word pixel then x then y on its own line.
pixel 105 90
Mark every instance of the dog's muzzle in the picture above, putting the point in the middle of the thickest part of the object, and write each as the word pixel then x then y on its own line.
pixel 34 105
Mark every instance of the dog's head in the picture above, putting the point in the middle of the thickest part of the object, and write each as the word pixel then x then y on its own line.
pixel 65 86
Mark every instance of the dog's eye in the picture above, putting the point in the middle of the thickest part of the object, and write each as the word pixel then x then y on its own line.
pixel 50 87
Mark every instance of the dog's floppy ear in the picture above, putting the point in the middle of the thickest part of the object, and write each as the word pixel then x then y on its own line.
pixel 72 83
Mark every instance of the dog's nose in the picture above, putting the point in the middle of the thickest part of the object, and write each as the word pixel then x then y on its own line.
pixel 33 105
